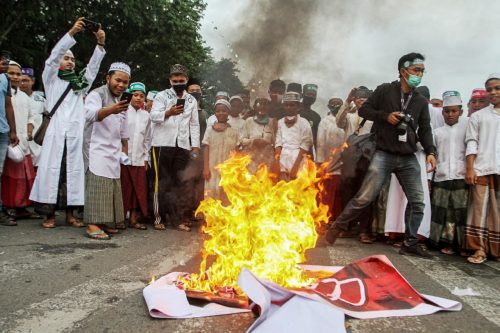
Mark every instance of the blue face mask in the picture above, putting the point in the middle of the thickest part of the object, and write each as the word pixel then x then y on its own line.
pixel 413 80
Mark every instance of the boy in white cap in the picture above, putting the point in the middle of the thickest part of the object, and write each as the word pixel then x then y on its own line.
pixel 450 192
pixel 59 182
pixel 482 231
pixel 106 115
pixel 133 176
pixel 293 139
pixel 17 178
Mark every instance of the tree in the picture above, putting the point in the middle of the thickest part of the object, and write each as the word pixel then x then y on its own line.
pixel 149 35
pixel 217 76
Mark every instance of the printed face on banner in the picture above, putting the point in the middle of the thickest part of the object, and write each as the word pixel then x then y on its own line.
pixel 369 285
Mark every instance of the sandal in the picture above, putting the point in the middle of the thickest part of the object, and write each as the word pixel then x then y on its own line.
pixel 49 223
pixel 110 231
pixel 477 258
pixel 120 225
pixel 160 226
pixel 138 226
pixel 8 222
pixel 365 238
pixel 98 235
pixel 183 227
pixel 447 250
pixel 75 222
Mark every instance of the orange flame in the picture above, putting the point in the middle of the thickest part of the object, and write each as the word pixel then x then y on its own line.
pixel 266 227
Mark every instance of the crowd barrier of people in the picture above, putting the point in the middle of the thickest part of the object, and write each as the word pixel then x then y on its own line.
pixel 124 156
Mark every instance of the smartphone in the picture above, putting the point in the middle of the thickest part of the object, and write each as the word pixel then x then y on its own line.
pixel 91 25
pixel 180 101
pixel 126 96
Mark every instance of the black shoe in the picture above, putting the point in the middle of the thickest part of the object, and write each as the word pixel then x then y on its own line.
pixel 416 250
pixel 332 234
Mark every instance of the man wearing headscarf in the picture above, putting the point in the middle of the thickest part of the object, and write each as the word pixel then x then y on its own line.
pixel 106 115
pixel 59 182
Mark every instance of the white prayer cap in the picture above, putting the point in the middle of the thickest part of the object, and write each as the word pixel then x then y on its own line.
pixel 70 53
pixel 451 98
pixel 494 76
pixel 13 63
pixel 15 153
pixel 235 97
pixel 223 102
pixel 120 66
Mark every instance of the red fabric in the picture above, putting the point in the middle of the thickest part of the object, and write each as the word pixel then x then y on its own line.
pixel 330 196
pixel 134 188
pixel 17 180
pixel 479 93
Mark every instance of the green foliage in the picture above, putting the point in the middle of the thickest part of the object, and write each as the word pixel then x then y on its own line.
pixel 149 35
pixel 217 76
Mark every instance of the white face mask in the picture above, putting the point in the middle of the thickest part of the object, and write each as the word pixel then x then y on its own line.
pixel 290 117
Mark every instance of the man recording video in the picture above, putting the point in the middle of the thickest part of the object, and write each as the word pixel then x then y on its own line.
pixel 401 119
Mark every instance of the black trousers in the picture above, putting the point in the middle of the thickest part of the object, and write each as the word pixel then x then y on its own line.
pixel 172 196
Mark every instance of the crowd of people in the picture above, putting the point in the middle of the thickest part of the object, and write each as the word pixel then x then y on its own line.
pixel 120 153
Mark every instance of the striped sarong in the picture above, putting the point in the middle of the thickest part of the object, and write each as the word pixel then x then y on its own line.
pixel 103 200
pixel 449 212
pixel 483 219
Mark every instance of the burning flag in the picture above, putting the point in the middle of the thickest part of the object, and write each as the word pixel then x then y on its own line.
pixel 266 227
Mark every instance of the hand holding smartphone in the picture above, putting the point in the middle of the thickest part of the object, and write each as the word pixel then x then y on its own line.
pixel 126 96
pixel 180 102
pixel 91 25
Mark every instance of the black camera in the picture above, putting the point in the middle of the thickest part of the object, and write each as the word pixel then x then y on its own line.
pixel 402 126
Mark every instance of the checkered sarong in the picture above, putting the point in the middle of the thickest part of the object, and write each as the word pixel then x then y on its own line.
pixel 449 212
pixel 103 200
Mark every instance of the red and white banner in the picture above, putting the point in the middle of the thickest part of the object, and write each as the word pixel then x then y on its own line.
pixel 369 288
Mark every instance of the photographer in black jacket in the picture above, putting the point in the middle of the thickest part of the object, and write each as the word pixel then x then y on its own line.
pixel 401 118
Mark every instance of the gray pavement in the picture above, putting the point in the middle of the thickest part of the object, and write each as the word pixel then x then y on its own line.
pixel 60 281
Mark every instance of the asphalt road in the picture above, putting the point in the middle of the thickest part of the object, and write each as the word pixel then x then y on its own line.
pixel 60 281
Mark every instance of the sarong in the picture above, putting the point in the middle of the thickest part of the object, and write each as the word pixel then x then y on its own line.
pixel 134 188
pixel 103 200
pixel 17 180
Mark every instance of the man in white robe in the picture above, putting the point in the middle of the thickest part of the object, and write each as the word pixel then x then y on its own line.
pixel 64 137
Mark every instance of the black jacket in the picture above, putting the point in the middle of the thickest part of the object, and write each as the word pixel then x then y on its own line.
pixel 386 99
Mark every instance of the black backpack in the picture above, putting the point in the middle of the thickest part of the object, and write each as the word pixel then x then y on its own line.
pixel 357 155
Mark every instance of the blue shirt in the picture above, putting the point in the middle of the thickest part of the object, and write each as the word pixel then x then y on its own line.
pixel 4 91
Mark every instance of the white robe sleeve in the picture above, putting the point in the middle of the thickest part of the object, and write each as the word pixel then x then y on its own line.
pixel 124 133
pixel 472 136
pixel 52 63
pixel 93 104
pixel 159 108
pixel 307 137
pixel 321 141
pixel 279 139
pixel 93 66
pixel 147 139
pixel 194 126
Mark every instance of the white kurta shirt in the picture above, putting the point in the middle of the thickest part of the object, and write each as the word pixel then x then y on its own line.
pixel 106 140
pixel 66 126
pixel 450 145
pixel 38 109
pixel 350 122
pixel 292 139
pixel 483 140
pixel 23 112
pixel 139 129
pixel 236 122
pixel 330 137
pixel 175 130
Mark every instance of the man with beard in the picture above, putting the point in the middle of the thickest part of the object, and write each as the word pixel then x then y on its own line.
pixel 59 182
pixel 108 146
pixel 276 91
pixel 176 139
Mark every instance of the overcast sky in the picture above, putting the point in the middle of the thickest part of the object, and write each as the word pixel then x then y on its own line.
pixel 359 42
